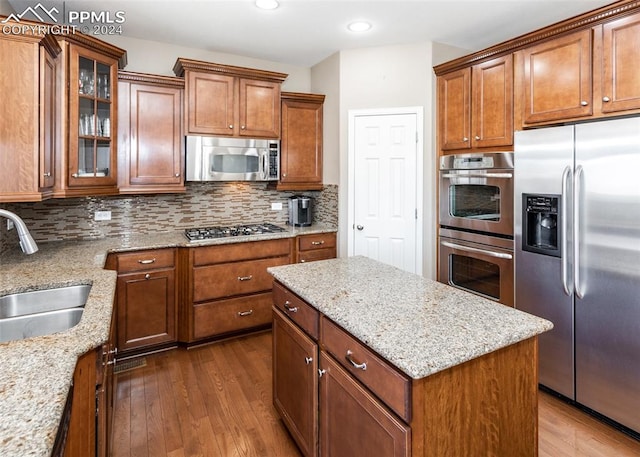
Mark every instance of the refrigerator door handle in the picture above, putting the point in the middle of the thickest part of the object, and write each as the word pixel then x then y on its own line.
pixel 564 265
pixel 577 189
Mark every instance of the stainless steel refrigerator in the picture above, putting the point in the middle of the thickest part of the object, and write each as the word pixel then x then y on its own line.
pixel 577 259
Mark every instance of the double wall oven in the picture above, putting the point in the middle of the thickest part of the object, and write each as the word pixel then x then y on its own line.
pixel 476 224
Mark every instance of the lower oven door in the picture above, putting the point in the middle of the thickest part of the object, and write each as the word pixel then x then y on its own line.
pixel 477 267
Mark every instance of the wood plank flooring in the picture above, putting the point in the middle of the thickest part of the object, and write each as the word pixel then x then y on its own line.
pixel 216 401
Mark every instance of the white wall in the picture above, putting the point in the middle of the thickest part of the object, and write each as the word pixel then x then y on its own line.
pixel 372 78
pixel 159 58
pixel 5 8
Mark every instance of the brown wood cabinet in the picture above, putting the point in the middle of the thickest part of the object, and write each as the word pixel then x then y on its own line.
pixel 227 287
pixel 558 79
pixel 150 138
pixel 87 161
pixel 301 142
pixel 620 90
pixel 295 382
pixel 146 299
pixel 368 407
pixel 230 101
pixel 318 246
pixel 27 117
pixel 475 106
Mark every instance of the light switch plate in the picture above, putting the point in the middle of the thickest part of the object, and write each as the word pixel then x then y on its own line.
pixel 10 224
pixel 276 206
pixel 102 216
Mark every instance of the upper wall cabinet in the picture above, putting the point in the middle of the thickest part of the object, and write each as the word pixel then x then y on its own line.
pixel 557 79
pixel 150 138
pixel 475 106
pixel 87 163
pixel 301 146
pixel 224 100
pixel 620 64
pixel 27 117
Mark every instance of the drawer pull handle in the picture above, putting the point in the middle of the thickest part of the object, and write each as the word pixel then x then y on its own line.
pixel 317 243
pixel 290 309
pixel 245 278
pixel 245 313
pixel 360 366
pixel 308 360
pixel 147 262
pixel 147 276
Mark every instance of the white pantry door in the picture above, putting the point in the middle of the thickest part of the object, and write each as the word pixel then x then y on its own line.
pixel 385 189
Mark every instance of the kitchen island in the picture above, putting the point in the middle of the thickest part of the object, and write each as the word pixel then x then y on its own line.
pixel 434 370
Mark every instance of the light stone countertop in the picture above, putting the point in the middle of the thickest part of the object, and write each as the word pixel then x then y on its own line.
pixel 36 373
pixel 419 325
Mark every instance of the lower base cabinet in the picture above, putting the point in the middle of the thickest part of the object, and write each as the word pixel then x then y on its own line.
pixel 352 421
pixel 339 398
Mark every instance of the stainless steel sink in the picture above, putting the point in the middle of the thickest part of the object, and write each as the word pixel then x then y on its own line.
pixel 41 312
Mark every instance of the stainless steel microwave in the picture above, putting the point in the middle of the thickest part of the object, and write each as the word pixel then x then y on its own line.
pixel 232 159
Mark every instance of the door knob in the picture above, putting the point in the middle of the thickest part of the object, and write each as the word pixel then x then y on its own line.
pixel 359 227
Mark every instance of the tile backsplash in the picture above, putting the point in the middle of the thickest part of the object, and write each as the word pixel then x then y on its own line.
pixel 204 204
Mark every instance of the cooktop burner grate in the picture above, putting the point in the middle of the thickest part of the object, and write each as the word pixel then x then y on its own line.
pixel 208 233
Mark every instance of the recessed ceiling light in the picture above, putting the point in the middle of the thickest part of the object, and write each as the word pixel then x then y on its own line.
pixel 267 4
pixel 359 26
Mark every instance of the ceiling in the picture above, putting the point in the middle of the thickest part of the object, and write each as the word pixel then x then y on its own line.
pixel 304 32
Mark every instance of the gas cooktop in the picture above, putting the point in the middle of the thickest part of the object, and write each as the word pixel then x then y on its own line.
pixel 208 233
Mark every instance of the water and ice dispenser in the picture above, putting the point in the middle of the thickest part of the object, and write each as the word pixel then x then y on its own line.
pixel 541 223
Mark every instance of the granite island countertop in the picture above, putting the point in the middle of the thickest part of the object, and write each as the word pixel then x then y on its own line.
pixel 419 325
pixel 36 373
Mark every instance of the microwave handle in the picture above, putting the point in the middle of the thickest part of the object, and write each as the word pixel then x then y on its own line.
pixel 265 165
pixel 499 255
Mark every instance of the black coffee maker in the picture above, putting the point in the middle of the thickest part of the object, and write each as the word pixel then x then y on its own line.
pixel 300 211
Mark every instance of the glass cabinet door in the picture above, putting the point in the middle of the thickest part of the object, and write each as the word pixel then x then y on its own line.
pixel 92 153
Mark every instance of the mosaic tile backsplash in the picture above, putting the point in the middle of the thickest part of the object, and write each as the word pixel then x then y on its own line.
pixel 204 204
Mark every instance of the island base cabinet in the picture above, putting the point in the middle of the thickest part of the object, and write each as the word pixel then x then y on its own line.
pixel 295 382
pixel 353 422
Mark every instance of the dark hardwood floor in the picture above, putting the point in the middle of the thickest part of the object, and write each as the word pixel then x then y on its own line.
pixel 216 401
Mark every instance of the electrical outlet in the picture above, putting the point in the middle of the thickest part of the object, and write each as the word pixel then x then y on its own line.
pixel 102 216
pixel 276 206
pixel 10 224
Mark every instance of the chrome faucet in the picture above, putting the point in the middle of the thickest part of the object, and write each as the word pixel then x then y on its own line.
pixel 26 241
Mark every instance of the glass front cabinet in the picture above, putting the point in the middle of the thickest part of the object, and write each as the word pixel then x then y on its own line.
pixel 89 165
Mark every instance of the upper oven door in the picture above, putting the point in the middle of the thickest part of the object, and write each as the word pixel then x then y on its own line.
pixel 480 200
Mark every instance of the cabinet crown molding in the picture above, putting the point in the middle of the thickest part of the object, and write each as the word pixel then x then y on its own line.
pixel 583 21
pixel 183 65
pixel 147 78
pixel 304 97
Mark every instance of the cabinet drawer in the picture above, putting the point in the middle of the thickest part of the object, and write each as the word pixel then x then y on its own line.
pixel 316 254
pixel 145 260
pixel 224 316
pixel 319 241
pixel 391 386
pixel 227 279
pixel 241 251
pixel 298 311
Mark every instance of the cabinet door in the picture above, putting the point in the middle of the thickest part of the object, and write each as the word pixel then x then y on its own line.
pixel 454 109
pixel 353 422
pixel 259 108
pixel 155 136
pixel 492 108
pixel 621 49
pixel 301 145
pixel 558 79
pixel 146 309
pixel 210 107
pixel 92 118
pixel 47 119
pixel 295 383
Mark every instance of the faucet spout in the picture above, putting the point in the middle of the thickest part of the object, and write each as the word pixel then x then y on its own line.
pixel 27 244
